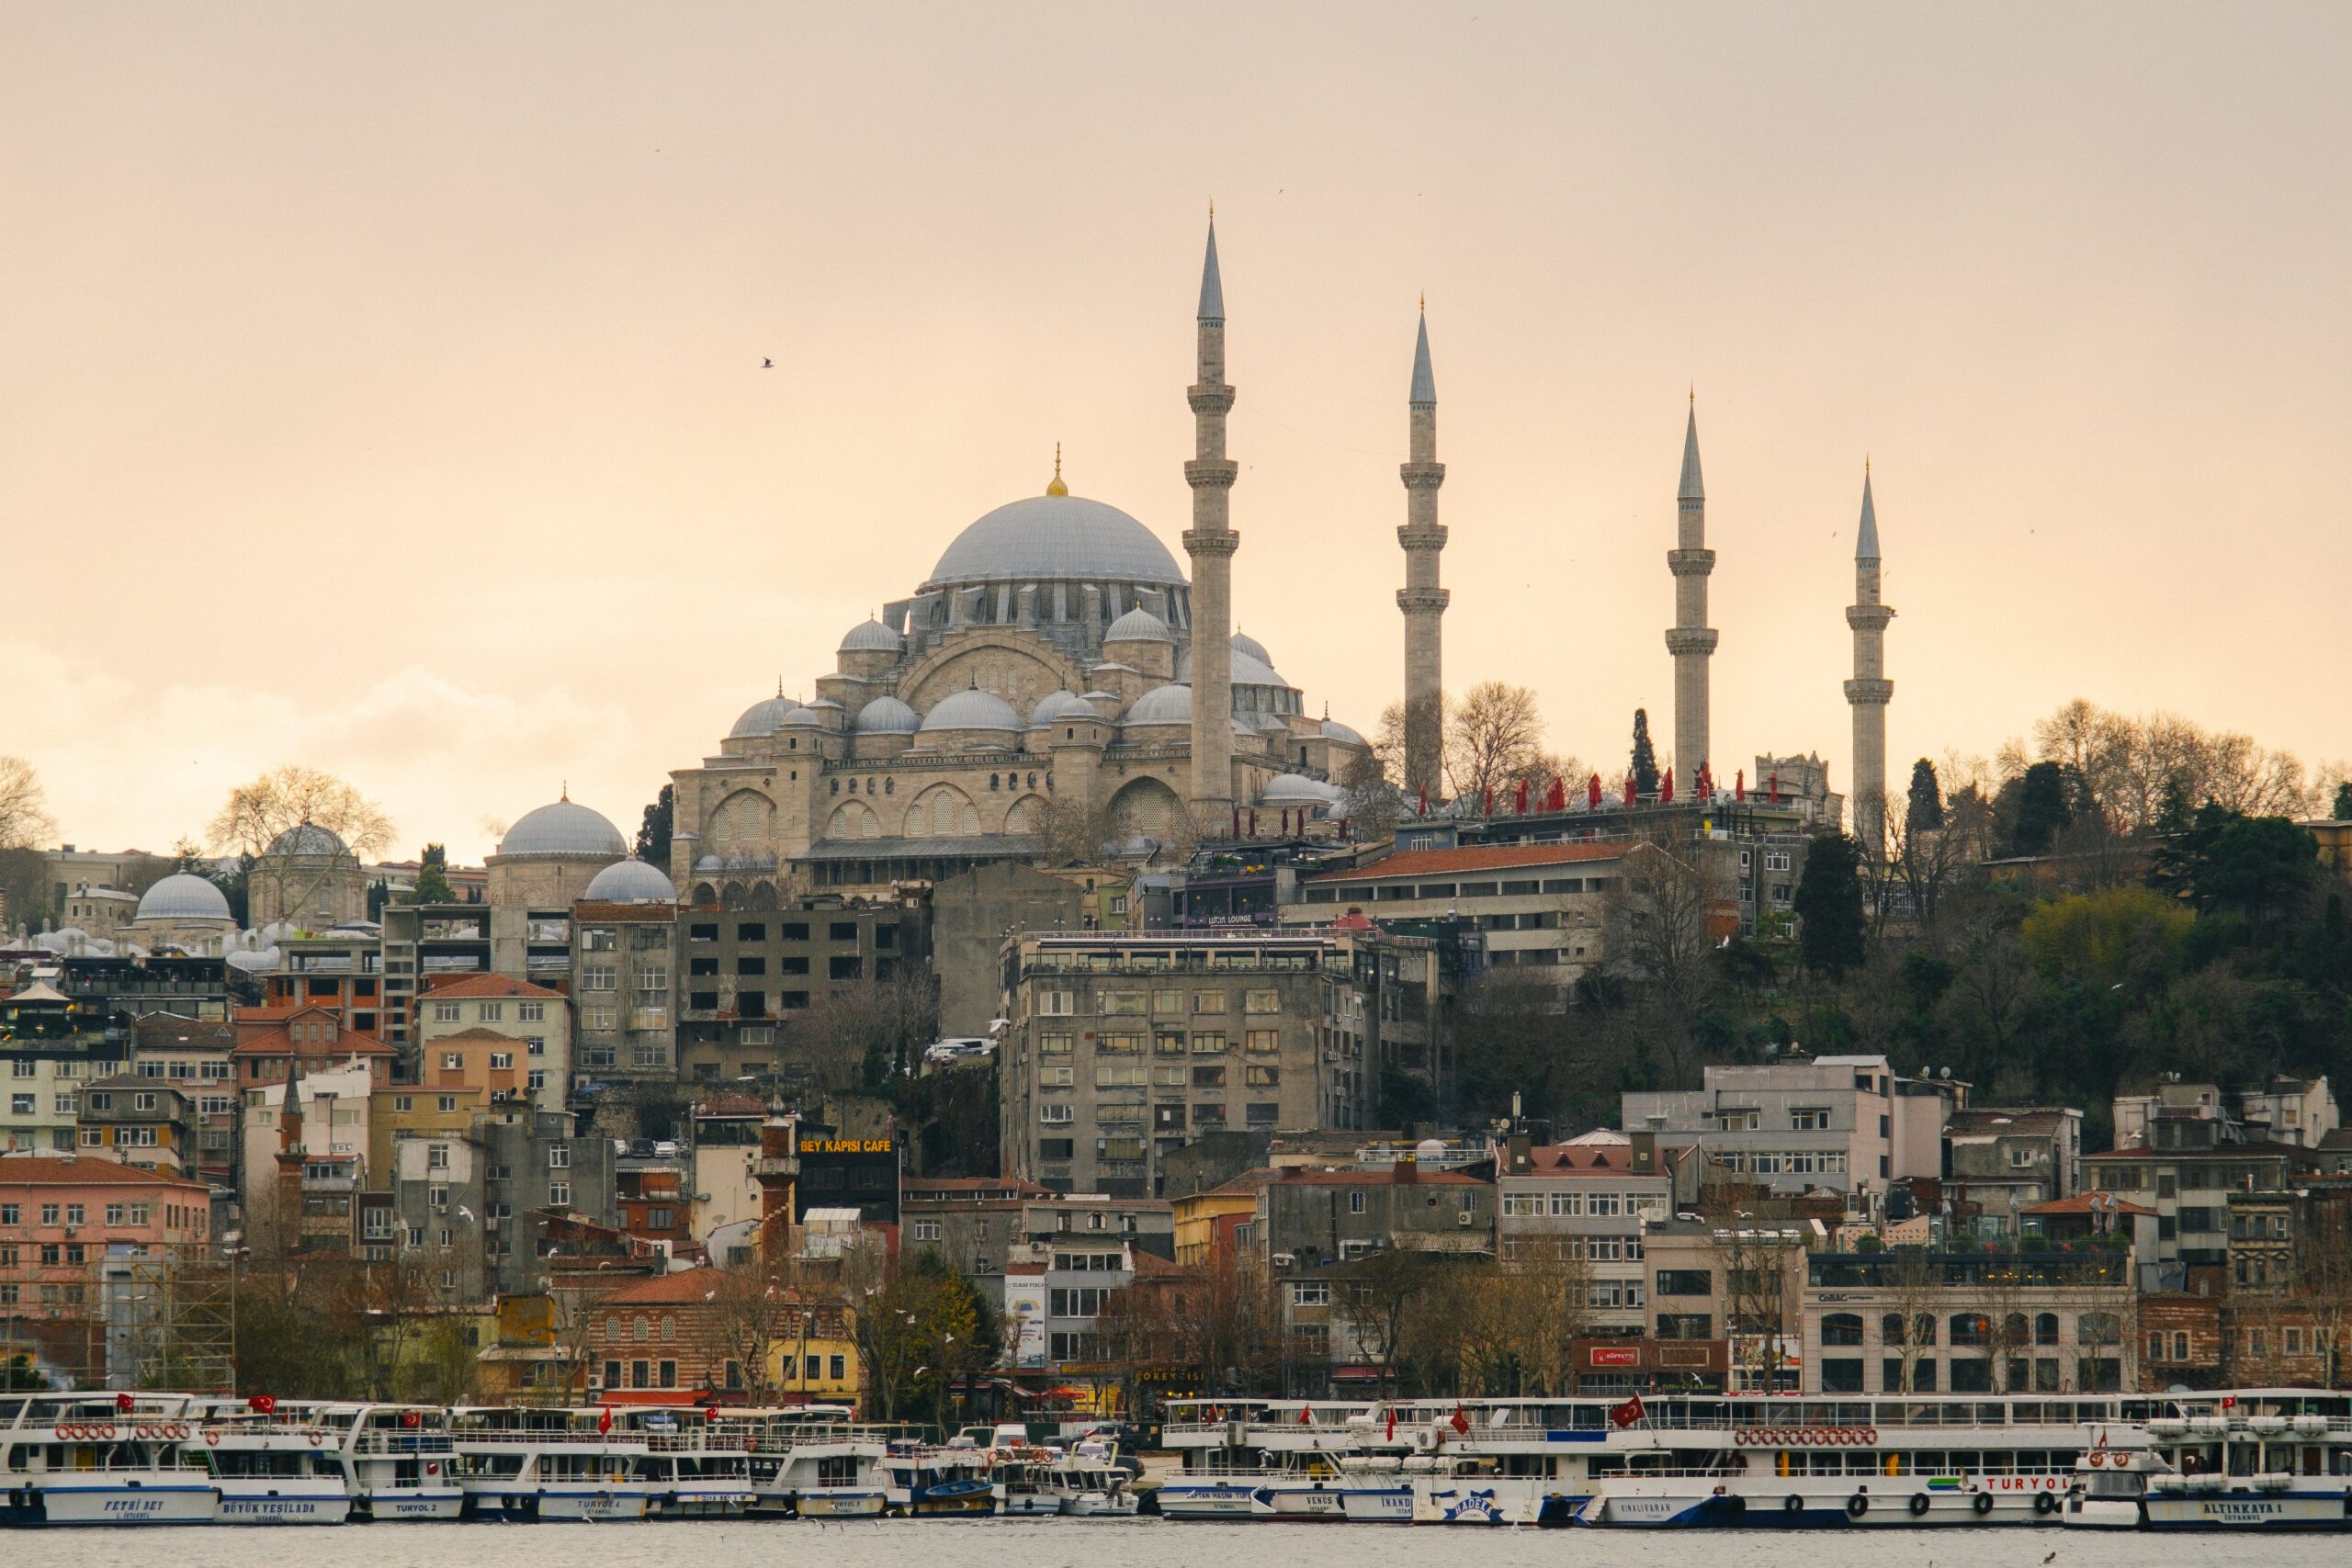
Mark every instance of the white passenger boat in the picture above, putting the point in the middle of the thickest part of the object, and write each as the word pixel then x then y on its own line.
pixel 101 1459
pixel 556 1464
pixel 812 1460
pixel 396 1460
pixel 2257 1459
pixel 1020 1476
pixel 270 1471
pixel 695 1465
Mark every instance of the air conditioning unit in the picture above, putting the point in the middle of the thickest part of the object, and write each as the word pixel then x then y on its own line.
pixel 1466 1219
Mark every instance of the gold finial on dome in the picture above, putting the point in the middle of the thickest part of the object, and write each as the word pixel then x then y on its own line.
pixel 1056 487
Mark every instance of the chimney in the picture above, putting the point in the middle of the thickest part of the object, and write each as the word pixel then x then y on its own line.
pixel 1406 1172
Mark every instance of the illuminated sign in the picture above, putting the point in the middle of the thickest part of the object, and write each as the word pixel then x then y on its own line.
pixel 846 1147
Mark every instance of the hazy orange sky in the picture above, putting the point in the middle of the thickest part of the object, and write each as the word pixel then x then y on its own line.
pixel 381 388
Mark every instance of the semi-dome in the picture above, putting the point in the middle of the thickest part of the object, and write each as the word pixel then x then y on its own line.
pixel 1334 730
pixel 630 882
pixel 871 636
pixel 1059 705
pixel 1242 642
pixel 307 839
pixel 183 895
pixel 563 827
pixel 887 715
pixel 1164 705
pixel 1138 625
pixel 763 717
pixel 1252 670
pixel 972 709
pixel 1049 536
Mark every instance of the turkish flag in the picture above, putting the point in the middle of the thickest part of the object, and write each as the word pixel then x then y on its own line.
pixel 1392 1423
pixel 266 1404
pixel 1625 1414
pixel 1302 1416
pixel 124 1402
pixel 1459 1422
pixel 604 1420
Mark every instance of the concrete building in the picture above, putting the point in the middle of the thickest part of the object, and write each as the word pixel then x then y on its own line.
pixel 1421 599
pixel 2190 1185
pixel 270 1043
pixel 1843 1125
pixel 2177 1114
pixel 1539 906
pixel 1122 1046
pixel 474 1211
pixel 61 1215
pixel 2004 1159
pixel 1870 690
pixel 143 1122
pixel 751 978
pixel 426 944
pixel 114 991
pixel 40 1100
pixel 515 1037
pixel 103 912
pixel 973 1222
pixel 1691 640
pixel 972 913
pixel 1584 1204
pixel 196 1059
pixel 305 1171
pixel 1741 1285
pixel 343 968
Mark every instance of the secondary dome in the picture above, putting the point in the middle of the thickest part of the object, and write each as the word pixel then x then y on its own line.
pixel 887 715
pixel 183 895
pixel 1138 625
pixel 972 709
pixel 871 637
pixel 1164 705
pixel 306 839
pixel 1242 642
pixel 1048 536
pixel 1289 788
pixel 1333 730
pixel 563 827
pixel 1059 705
pixel 630 882
pixel 762 717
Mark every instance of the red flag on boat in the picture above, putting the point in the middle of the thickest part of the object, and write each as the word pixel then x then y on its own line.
pixel 263 1403
pixel 1625 1414
pixel 1303 1415
pixel 124 1402
pixel 1392 1423
pixel 604 1420
pixel 1459 1422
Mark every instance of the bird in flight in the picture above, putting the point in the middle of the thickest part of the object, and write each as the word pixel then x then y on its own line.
pixel 767 364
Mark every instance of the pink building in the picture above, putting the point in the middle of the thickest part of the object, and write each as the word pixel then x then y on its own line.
pixel 60 1215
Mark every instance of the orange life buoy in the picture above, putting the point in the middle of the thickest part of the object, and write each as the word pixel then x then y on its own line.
pixel 211 1439
pixel 314 1439
pixel 2098 1459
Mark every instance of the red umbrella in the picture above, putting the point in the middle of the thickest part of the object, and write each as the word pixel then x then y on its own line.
pixel 1666 787
pixel 1592 794
pixel 1629 797
pixel 1740 784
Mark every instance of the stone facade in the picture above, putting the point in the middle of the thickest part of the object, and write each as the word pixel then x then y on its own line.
pixel 1043 674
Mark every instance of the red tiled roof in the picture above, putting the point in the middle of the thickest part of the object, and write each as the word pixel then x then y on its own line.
pixel 2080 1203
pixel 1476 857
pixel 347 1042
pixel 684 1288
pixel 1151 1266
pixel 1247 1183
pixel 42 1170
pixel 486 986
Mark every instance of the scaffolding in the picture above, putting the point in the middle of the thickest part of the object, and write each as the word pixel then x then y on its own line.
pixel 171 1322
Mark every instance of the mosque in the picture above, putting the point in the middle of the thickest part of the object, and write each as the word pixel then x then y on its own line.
pixel 1057 667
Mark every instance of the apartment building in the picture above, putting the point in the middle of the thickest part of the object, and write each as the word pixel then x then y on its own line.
pixel 1583 1204
pixel 1121 1047
pixel 1539 906
pixel 1847 1124
pixel 750 974
pixel 522 1033
pixel 2004 1159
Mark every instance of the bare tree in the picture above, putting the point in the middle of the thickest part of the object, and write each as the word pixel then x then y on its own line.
pixel 24 820
pixel 1494 737
pixel 258 815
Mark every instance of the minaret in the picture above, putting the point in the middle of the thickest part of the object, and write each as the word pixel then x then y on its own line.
pixel 1868 693
pixel 1210 541
pixel 1691 640
pixel 1421 599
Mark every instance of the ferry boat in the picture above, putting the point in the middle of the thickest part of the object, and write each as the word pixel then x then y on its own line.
pixel 268 1472
pixel 2256 1458
pixel 102 1458
pixel 1020 1477
pixel 397 1460
pixel 519 1463
pixel 695 1466
pixel 812 1461
pixel 939 1483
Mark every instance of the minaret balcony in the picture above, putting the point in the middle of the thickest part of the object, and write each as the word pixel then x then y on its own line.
pixel 1426 600
pixel 1690 563
pixel 1429 536
pixel 1868 617
pixel 1869 692
pixel 1422 476
pixel 1199 542
pixel 1212 473
pixel 1210 399
pixel 1680 640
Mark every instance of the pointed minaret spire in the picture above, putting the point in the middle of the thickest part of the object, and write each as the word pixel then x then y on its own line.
pixel 1692 642
pixel 1212 285
pixel 1421 600
pixel 1870 690
pixel 1210 542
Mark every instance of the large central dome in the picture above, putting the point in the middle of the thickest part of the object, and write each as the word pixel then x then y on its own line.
pixel 1046 538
